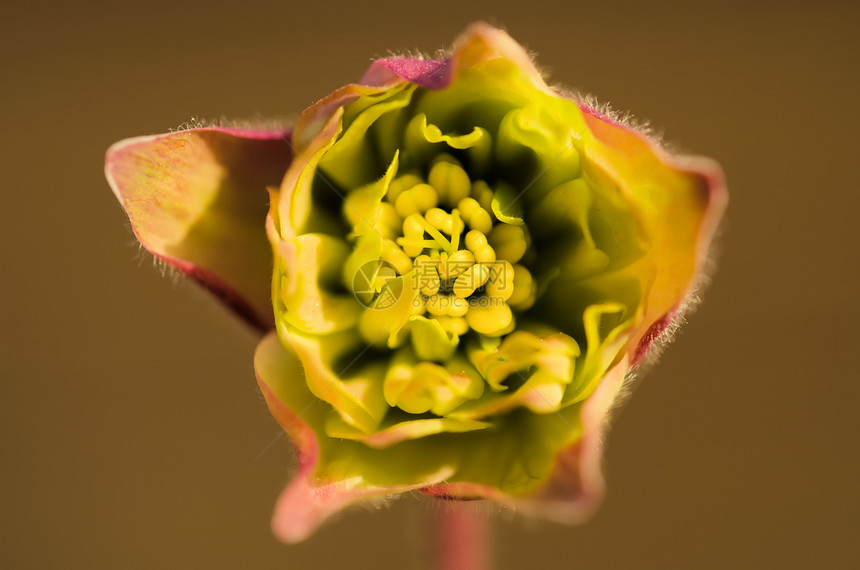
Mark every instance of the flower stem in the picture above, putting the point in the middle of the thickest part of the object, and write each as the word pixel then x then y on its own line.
pixel 463 538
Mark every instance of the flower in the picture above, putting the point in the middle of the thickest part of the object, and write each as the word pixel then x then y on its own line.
pixel 464 268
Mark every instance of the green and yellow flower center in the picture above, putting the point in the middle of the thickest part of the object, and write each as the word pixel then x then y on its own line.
pixel 445 250
pixel 464 267
pixel 456 270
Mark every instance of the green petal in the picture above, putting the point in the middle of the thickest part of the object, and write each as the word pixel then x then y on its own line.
pixel 514 456
pixel 537 145
pixel 333 374
pixel 362 206
pixel 608 329
pixel 525 369
pixel 351 162
pixel 505 205
pixel 309 271
pixel 402 431
pixel 430 341
pixel 383 323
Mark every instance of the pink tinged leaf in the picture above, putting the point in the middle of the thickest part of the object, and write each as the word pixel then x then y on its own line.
pixel 197 199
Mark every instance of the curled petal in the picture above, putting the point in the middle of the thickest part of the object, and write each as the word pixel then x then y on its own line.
pixel 197 200
pixel 412 429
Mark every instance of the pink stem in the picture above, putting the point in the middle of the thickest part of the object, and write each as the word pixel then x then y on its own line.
pixel 464 538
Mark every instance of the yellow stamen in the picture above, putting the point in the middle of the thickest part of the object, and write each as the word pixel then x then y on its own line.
pixel 456 307
pixel 501 283
pixel 476 241
pixel 523 295
pixel 426 275
pixel 494 319
pixel 389 221
pixel 456 264
pixel 400 184
pixel 453 325
pixel 470 280
pixel 482 192
pixel 435 305
pixel 441 241
pixel 458 227
pixel 508 241
pixel 473 214
pixel 413 235
pixel 417 199
pixel 450 181
pixel 396 257
pixel 443 221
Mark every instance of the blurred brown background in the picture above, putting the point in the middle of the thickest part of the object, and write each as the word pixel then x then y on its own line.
pixel 130 419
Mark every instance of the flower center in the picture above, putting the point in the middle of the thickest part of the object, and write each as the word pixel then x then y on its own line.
pixel 447 236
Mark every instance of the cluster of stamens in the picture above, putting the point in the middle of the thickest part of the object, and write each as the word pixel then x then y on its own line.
pixel 462 259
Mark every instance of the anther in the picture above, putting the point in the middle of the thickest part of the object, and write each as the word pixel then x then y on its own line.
pixel 501 282
pixel 389 221
pixel 508 241
pixel 473 214
pixel 453 325
pixel 442 220
pixel 476 241
pixel 413 235
pixel 456 263
pixel 523 295
pixel 482 192
pixel 450 181
pixel 400 184
pixel 417 199
pixel 492 320
pixel 426 275
pixel 476 276
pixel 396 257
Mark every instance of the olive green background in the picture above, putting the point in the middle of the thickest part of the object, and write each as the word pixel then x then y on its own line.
pixel 129 416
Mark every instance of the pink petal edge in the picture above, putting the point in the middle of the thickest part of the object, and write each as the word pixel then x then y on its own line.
pixel 715 193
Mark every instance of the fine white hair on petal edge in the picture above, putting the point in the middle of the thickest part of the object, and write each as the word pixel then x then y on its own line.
pixel 257 123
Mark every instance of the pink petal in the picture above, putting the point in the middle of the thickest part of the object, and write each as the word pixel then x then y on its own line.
pixel 197 199
pixel 480 42
pixel 429 73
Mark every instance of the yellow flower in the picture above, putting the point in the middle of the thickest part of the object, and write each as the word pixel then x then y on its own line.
pixel 464 266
